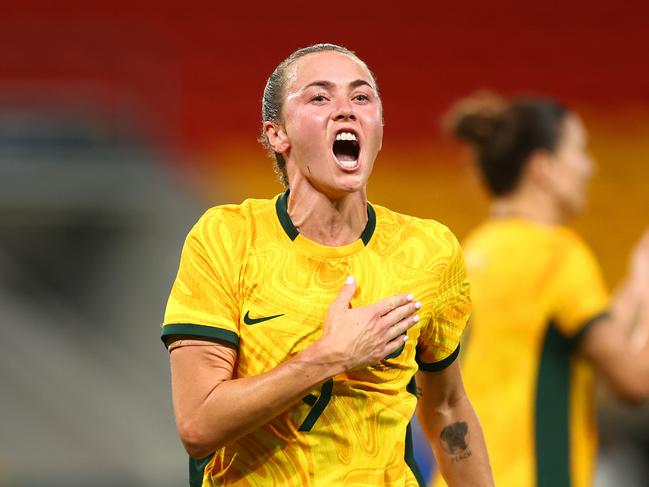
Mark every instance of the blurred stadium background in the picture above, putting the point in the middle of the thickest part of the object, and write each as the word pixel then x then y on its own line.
pixel 120 122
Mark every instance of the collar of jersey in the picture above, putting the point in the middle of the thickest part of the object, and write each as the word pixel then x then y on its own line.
pixel 281 207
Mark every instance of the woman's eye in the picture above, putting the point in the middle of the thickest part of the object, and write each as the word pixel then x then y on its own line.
pixel 318 98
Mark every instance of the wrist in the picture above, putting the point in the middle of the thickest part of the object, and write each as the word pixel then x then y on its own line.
pixel 319 358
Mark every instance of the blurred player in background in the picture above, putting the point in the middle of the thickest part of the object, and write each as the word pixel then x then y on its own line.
pixel 285 370
pixel 543 321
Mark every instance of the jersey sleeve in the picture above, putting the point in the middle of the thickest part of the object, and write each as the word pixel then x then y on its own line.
pixel 580 292
pixel 439 342
pixel 203 300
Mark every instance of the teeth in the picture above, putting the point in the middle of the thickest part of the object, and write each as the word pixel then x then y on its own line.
pixel 348 164
pixel 346 136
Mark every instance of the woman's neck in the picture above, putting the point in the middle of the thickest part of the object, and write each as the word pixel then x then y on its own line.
pixel 530 205
pixel 332 222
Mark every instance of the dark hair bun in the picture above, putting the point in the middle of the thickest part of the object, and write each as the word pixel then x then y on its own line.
pixel 476 117
pixel 504 133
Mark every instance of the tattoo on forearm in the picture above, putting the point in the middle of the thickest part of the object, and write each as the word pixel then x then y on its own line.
pixel 455 440
pixel 420 392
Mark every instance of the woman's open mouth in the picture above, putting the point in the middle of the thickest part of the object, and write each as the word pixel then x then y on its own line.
pixel 346 149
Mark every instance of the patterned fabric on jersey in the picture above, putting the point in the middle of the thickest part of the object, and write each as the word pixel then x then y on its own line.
pixel 248 278
pixel 535 289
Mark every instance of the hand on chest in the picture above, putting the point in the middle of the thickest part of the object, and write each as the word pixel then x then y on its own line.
pixel 284 304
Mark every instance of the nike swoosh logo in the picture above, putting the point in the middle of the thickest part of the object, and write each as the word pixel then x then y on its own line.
pixel 253 321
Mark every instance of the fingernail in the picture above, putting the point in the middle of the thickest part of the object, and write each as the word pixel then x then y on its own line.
pixel 415 318
pixel 410 297
pixel 350 280
pixel 418 305
pixel 405 338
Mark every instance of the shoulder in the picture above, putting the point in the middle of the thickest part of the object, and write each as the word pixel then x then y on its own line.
pixel 433 242
pixel 232 219
pixel 569 239
pixel 576 253
pixel 509 234
pixel 427 230
pixel 230 225
pixel 484 232
pixel 569 249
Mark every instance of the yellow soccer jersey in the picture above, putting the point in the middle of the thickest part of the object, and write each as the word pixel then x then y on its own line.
pixel 247 277
pixel 535 289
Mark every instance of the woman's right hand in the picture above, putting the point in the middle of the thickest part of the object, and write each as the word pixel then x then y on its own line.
pixel 358 337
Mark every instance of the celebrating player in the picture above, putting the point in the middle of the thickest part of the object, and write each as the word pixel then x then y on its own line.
pixel 288 371
pixel 542 320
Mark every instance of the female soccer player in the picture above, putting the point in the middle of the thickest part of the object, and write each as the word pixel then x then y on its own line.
pixel 542 320
pixel 287 371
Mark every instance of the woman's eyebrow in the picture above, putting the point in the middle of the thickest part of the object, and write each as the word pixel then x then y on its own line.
pixel 329 84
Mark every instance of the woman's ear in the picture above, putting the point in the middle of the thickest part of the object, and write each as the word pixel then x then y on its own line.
pixel 540 167
pixel 277 138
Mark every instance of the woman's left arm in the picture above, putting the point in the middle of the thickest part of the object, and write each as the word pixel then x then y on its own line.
pixel 452 427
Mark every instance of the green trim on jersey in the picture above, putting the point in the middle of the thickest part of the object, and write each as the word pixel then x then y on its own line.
pixel 552 408
pixel 552 405
pixel 438 366
pixel 197 470
pixel 370 226
pixel 202 331
pixel 396 353
pixel 409 454
pixel 281 207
